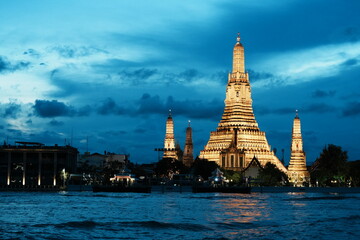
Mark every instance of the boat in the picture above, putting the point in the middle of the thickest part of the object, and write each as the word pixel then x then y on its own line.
pixel 119 188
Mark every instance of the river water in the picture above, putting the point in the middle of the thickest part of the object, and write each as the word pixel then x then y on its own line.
pixel 87 215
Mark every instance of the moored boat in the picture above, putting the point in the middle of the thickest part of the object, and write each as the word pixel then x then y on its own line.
pixel 118 188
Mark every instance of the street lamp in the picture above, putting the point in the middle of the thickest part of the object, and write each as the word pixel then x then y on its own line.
pixel 64 176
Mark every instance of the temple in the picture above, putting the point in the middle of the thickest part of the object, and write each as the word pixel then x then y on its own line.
pixel 188 157
pixel 297 171
pixel 238 139
pixel 169 143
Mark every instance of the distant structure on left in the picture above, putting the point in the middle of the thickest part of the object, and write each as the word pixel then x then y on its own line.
pixel 32 164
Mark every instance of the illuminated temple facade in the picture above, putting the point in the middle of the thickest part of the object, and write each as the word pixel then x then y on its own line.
pixel 169 144
pixel 238 138
pixel 297 171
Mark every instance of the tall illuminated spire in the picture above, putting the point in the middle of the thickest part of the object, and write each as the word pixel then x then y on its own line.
pixel 169 143
pixel 238 57
pixel 238 138
pixel 297 171
pixel 188 157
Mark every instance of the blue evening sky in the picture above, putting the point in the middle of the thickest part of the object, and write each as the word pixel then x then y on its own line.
pixel 108 71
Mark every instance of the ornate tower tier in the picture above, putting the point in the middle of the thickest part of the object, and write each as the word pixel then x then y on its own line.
pixel 169 143
pixel 188 157
pixel 297 171
pixel 238 138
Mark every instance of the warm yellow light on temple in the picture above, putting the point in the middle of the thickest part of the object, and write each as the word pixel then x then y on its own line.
pixel 297 171
pixel 169 143
pixel 238 138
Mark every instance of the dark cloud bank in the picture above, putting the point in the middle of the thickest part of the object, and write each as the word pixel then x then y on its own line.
pixel 7 66
pixel 146 105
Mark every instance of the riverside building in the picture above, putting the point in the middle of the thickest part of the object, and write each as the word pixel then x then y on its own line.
pixel 32 164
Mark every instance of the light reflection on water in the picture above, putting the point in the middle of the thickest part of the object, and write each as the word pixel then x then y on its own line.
pixel 242 209
pixel 86 215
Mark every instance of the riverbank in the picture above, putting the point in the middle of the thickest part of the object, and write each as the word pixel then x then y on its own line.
pixel 306 189
pixel 181 189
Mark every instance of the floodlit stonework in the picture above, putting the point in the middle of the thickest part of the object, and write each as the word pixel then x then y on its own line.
pixel 188 157
pixel 297 171
pixel 169 143
pixel 238 138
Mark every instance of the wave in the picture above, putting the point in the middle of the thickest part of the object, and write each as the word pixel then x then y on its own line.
pixel 321 198
pixel 351 219
pixel 71 224
pixel 88 224
pixel 236 225
pixel 166 225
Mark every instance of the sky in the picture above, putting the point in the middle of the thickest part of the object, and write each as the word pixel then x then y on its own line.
pixel 101 75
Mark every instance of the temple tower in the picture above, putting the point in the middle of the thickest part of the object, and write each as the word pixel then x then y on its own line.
pixel 238 138
pixel 169 143
pixel 297 171
pixel 188 157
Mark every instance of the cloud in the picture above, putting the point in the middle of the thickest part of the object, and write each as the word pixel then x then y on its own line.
pixel 304 65
pixel 109 106
pixel 189 74
pixel 15 132
pixel 323 94
pixel 47 137
pixel 68 51
pixel 55 123
pixel 190 108
pixel 85 111
pixel 140 130
pixel 319 108
pixel 261 110
pixel 351 109
pixel 11 110
pixel 6 66
pixel 136 76
pixel 352 33
pixel 256 76
pixel 46 109
pixel 312 108
pixel 65 86
pixel 112 134
pixel 350 62
pixel 32 52
pixel 151 105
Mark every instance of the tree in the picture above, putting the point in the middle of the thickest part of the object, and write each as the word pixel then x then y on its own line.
pixel 354 173
pixel 233 176
pixel 270 175
pixel 167 167
pixel 331 166
pixel 204 167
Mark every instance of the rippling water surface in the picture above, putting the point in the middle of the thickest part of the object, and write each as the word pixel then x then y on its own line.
pixel 87 215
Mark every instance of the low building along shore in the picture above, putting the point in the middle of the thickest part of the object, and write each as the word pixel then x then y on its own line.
pixel 32 164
